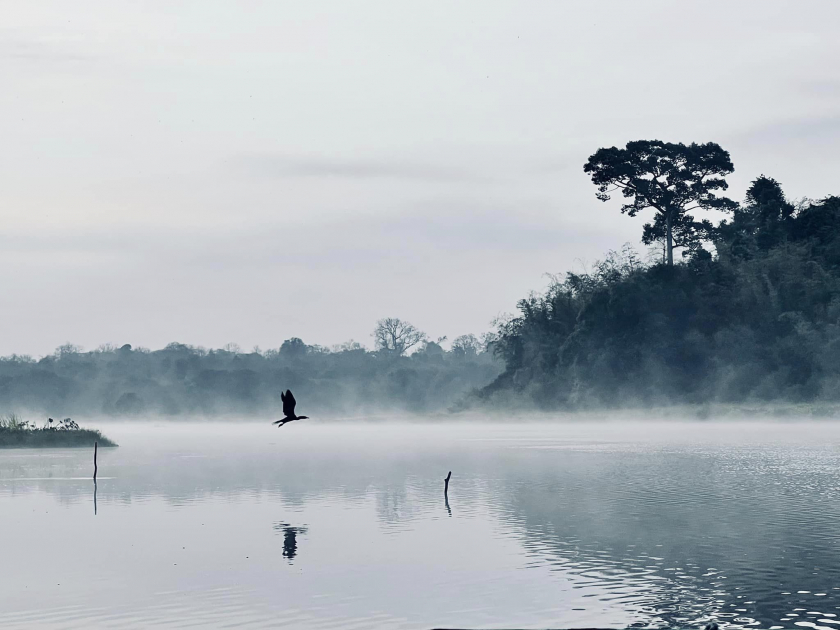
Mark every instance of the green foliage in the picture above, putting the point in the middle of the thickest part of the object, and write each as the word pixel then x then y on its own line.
pixel 760 321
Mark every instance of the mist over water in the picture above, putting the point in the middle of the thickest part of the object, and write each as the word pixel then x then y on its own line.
pixel 420 316
pixel 607 524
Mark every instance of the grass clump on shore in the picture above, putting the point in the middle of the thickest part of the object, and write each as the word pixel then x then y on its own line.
pixel 18 433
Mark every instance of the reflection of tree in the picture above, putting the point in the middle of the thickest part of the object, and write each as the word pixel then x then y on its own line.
pixel 574 523
pixel 180 469
pixel 290 535
pixel 395 504
pixel 683 537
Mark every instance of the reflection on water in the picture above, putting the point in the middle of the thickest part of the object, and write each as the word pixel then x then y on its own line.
pixel 290 535
pixel 557 525
pixel 446 493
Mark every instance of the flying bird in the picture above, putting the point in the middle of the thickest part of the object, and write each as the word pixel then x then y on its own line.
pixel 289 403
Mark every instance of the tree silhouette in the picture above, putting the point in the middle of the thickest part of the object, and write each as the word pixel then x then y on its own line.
pixel 673 179
pixel 466 345
pixel 293 347
pixel 685 232
pixel 396 336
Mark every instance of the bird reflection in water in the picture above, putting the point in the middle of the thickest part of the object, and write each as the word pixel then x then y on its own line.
pixel 290 535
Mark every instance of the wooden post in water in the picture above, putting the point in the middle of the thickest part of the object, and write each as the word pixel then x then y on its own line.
pixel 95 445
pixel 446 492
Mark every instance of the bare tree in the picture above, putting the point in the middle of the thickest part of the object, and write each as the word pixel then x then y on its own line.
pixel 396 336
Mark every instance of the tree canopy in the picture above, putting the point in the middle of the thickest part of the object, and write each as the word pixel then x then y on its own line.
pixel 672 178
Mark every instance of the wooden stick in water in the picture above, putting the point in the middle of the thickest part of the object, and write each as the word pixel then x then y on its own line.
pixel 446 484
pixel 95 444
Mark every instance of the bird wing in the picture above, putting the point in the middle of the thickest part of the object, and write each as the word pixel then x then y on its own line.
pixel 289 403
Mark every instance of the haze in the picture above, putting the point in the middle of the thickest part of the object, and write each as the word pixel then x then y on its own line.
pixel 209 173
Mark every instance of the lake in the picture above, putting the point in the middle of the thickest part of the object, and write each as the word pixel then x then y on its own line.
pixel 338 525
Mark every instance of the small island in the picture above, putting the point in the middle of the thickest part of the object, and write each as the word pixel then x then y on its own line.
pixel 18 433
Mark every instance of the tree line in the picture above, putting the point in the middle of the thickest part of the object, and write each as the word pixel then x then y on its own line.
pixel 405 373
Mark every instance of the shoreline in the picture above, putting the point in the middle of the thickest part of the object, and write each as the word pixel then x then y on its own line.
pixel 52 438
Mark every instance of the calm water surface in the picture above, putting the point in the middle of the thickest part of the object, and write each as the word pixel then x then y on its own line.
pixel 342 526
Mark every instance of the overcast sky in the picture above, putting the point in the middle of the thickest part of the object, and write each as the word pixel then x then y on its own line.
pixel 211 172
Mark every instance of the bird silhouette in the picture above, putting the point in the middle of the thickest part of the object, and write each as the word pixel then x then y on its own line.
pixel 289 403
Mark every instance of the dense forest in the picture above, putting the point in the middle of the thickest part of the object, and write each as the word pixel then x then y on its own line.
pixel 181 380
pixel 750 314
